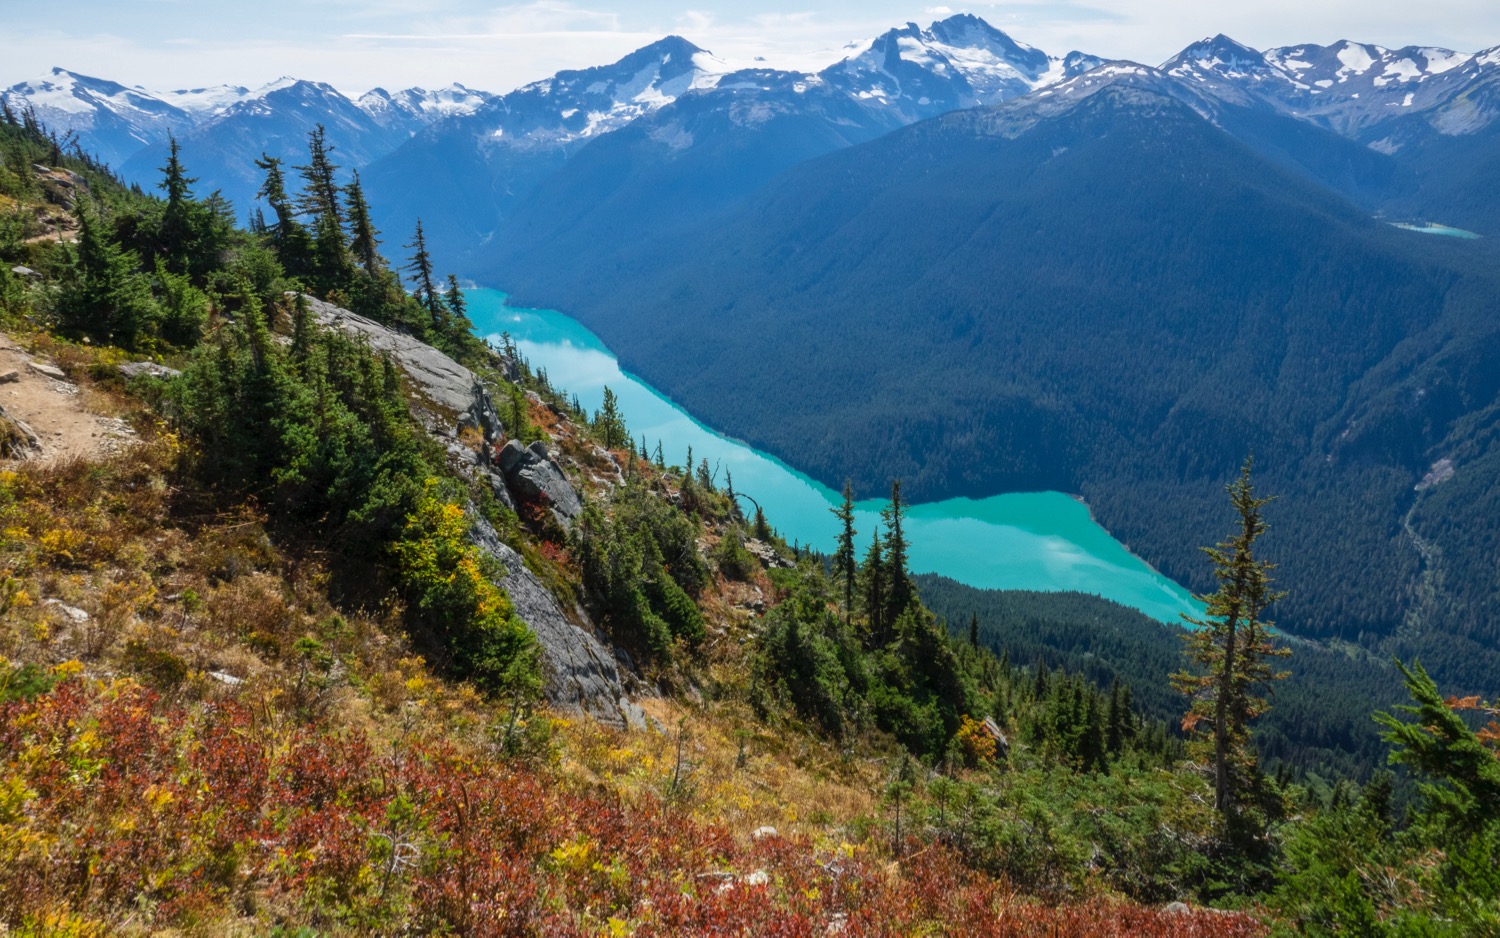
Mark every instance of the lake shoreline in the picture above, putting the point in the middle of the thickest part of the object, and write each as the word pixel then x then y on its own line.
pixel 1043 541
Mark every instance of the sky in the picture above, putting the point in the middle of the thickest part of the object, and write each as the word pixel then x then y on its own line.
pixel 359 44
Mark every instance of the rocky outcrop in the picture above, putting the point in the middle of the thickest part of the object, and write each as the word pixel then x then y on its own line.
pixel 582 673
pixel 152 369
pixel 17 440
pixel 534 477
pixel 444 382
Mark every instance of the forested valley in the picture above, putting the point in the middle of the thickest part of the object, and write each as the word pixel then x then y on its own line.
pixel 1118 299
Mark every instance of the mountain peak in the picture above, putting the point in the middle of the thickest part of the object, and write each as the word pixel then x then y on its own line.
pixel 1219 54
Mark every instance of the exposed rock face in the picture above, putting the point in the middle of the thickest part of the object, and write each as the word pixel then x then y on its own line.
pixel 766 554
pixel 17 440
pixel 442 380
pixel 582 673
pixel 136 369
pixel 532 476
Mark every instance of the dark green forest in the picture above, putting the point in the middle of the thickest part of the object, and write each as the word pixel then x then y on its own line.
pixel 1320 718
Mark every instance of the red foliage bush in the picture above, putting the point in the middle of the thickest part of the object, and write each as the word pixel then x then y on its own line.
pixel 113 805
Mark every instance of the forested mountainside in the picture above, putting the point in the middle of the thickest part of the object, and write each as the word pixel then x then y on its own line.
pixel 1100 291
pixel 1320 723
pixel 295 651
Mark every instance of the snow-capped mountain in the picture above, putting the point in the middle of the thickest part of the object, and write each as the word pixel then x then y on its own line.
pixel 110 119
pixel 580 104
pixel 418 106
pixel 707 118
pixel 1230 71
pixel 119 124
pixel 1350 88
pixel 958 62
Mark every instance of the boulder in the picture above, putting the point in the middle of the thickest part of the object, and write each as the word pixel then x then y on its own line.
pixel 533 476
pixel 17 440
pixel 136 369
pixel 582 675
pixel 501 490
pixel 510 457
pixel 46 371
pixel 72 613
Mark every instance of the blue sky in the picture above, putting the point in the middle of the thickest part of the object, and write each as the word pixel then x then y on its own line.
pixel 357 44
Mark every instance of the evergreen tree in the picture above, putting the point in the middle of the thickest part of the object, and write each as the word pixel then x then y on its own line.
pixel 320 197
pixel 106 296
pixel 611 424
pixel 420 269
pixel 899 589
pixel 845 564
pixel 365 241
pixel 329 266
pixel 302 329
pixel 293 246
pixel 1461 765
pixel 1092 741
pixel 1231 644
pixel 520 422
pixel 876 590
pixel 974 631
pixel 175 232
pixel 458 308
pixel 762 527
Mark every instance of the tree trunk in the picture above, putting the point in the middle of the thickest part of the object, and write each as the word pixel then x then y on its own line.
pixel 1221 721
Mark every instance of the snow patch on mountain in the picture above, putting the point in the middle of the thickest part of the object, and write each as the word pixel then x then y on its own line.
pixel 1356 58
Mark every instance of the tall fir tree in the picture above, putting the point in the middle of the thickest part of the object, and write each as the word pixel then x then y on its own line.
pixel 320 195
pixel 364 238
pixel 288 237
pixel 876 590
pixel 899 589
pixel 845 564
pixel 105 295
pixel 175 233
pixel 1230 645
pixel 420 269
pixel 458 308
pixel 612 424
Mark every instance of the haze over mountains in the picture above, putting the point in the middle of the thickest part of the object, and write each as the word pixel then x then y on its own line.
pixel 981 267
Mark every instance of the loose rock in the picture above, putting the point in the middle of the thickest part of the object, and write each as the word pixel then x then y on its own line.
pixel 73 613
pixel 46 371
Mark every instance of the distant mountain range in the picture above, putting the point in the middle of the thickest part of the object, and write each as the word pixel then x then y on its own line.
pixel 490 150
pixel 957 259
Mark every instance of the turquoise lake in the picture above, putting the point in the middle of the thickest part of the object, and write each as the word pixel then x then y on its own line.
pixel 1436 229
pixel 1034 541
